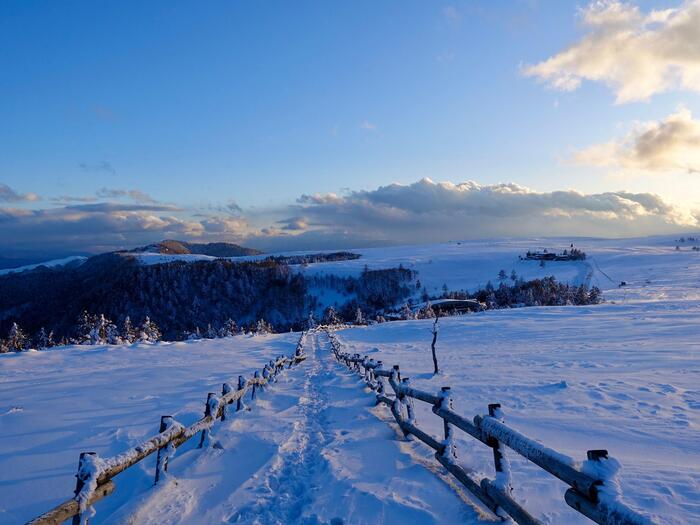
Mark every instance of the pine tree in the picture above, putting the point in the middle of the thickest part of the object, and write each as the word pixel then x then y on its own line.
pixel 128 332
pixel 407 313
pixel 43 340
pixel 194 336
pixel 111 333
pixel 426 312
pixel 210 333
pixel 17 340
pixel 311 322
pixel 502 275
pixel 330 316
pixel 149 332
pixel 513 276
pixel 84 330
pixel 359 318
pixel 229 328
pixel 262 327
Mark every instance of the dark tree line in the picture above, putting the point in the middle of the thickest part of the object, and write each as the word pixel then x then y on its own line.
pixel 184 300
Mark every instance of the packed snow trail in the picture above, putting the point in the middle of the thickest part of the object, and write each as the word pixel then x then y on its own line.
pixel 311 451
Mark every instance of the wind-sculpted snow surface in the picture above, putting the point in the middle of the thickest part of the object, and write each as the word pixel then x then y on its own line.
pixel 107 399
pixel 311 452
pixel 621 376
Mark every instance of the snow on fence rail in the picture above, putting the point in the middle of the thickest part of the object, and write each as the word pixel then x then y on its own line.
pixel 94 476
pixel 593 490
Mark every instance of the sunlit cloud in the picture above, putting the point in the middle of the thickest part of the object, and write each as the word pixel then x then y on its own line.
pixel 671 144
pixel 636 54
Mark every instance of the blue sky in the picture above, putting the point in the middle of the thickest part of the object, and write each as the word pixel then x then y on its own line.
pixel 199 105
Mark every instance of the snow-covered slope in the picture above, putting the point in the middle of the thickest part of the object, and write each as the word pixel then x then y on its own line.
pixel 75 259
pixel 623 376
pixel 471 264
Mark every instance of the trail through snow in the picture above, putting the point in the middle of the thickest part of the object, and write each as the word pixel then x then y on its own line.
pixel 335 462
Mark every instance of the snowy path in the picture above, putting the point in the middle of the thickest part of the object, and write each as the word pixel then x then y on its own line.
pixel 336 461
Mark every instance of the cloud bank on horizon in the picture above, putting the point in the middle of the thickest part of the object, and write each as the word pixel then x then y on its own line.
pixel 638 55
pixel 422 212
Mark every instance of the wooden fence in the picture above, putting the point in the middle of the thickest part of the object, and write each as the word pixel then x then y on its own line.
pixel 587 494
pixel 94 476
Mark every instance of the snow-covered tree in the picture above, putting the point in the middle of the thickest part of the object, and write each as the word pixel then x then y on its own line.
pixel 330 316
pixel 311 321
pixel 359 318
pixel 17 340
pixel 85 327
pixel 194 335
pixel 128 331
pixel 426 312
pixel 112 336
pixel 407 313
pixel 263 327
pixel 230 328
pixel 210 333
pixel 502 275
pixel 44 340
pixel 104 332
pixel 149 332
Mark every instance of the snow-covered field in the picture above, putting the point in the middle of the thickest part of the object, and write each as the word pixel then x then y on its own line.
pixel 73 259
pixel 624 376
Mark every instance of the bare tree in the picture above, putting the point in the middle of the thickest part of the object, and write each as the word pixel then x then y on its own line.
pixel 432 345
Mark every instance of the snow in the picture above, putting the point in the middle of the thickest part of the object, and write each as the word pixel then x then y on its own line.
pixel 313 448
pixel 49 264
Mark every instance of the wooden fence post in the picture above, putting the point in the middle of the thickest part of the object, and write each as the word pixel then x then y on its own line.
pixel 503 474
pixel 225 389
pixel 256 378
pixel 380 381
pixel 80 482
pixel 162 456
pixel 446 403
pixel 207 412
pixel 408 402
pixel 241 385
pixel 273 371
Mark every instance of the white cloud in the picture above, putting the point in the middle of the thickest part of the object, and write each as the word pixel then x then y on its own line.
pixel 637 54
pixel 422 212
pixel 671 144
pixel 432 212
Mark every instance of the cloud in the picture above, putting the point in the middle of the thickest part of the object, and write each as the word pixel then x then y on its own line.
pixel 422 212
pixel 368 126
pixel 135 195
pixel 107 193
pixel 636 54
pixel 7 194
pixel 294 224
pixel 102 166
pixel 671 144
pixel 433 212
pixel 98 227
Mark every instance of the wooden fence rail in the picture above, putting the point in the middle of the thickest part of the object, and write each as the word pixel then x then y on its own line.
pixel 587 494
pixel 94 477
